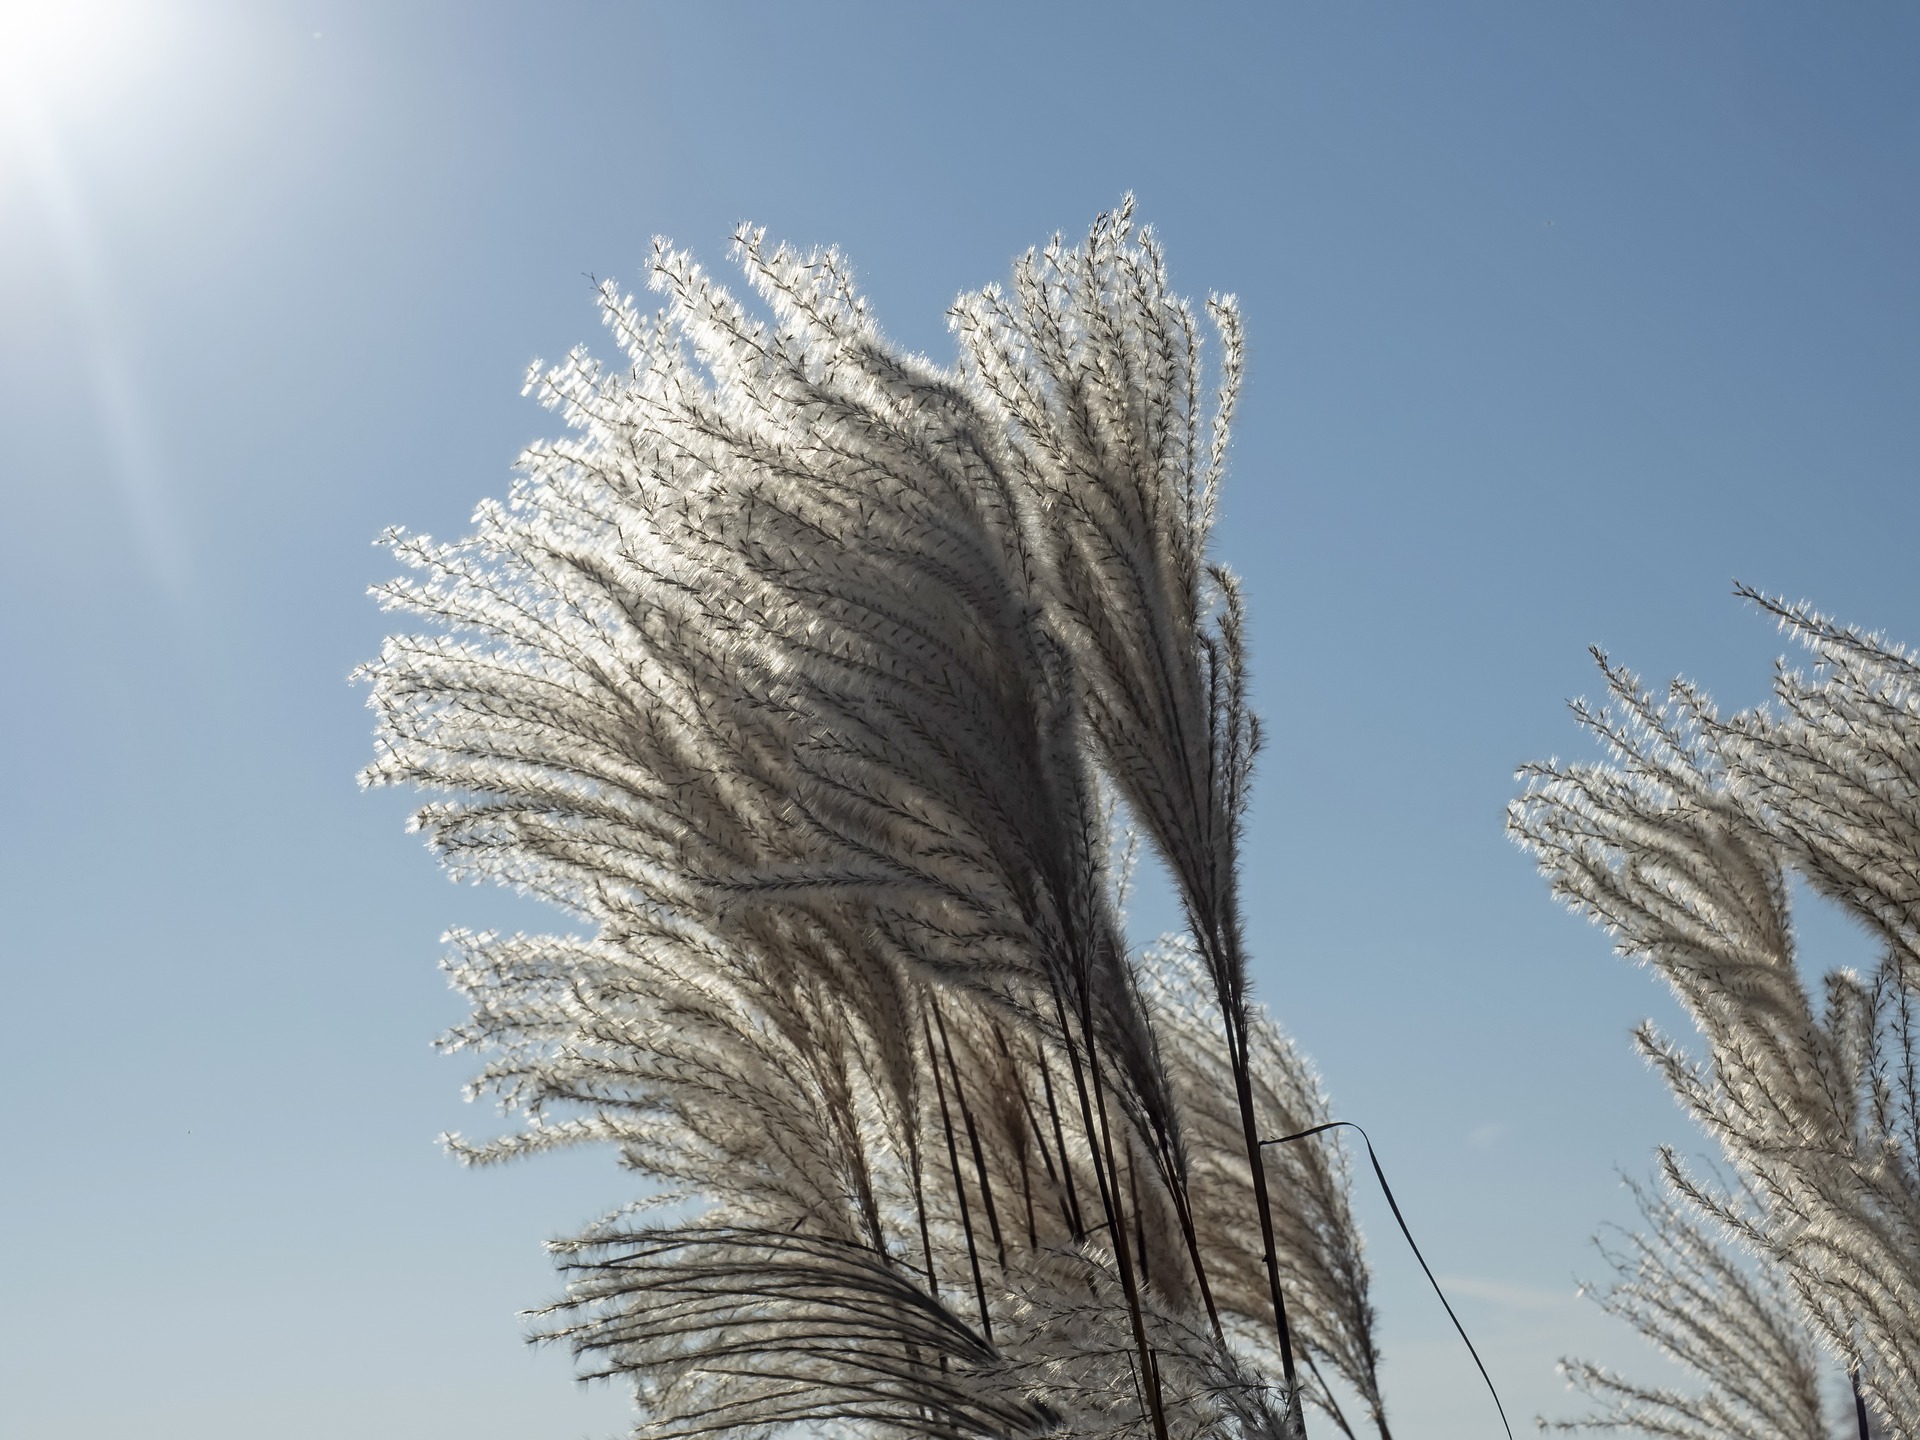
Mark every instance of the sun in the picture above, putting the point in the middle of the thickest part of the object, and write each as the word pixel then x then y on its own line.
pixel 72 54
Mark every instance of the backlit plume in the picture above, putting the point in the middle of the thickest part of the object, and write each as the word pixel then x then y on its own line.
pixel 1683 845
pixel 799 673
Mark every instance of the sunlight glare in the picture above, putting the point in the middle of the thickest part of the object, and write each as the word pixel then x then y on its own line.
pixel 71 54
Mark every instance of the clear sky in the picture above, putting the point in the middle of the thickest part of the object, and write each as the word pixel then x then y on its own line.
pixel 1563 317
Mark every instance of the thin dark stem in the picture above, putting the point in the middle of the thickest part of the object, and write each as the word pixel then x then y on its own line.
pixel 1099 1139
pixel 1183 1208
pixel 1030 1138
pixel 959 1184
pixel 920 1210
pixel 1071 1197
pixel 973 1137
pixel 1139 1217
pixel 1401 1221
pixel 1263 1207
pixel 1117 1220
pixel 1026 1196
pixel 1326 1399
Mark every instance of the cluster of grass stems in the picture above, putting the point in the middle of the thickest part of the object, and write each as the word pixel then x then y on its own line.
pixel 829 689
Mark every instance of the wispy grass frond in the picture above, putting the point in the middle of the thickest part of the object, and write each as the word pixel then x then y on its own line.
pixel 1682 846
pixel 1681 1284
pixel 729 1329
pixel 1093 366
pixel 769 673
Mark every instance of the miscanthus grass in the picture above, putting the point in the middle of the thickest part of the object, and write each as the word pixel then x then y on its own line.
pixel 1682 843
pixel 803 673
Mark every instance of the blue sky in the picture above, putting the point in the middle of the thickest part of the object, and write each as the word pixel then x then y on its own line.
pixel 1563 317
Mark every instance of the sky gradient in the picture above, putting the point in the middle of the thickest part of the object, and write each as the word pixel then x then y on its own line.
pixel 1562 318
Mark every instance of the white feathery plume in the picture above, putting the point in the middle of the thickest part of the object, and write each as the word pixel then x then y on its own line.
pixel 1680 1283
pixel 1093 367
pixel 758 675
pixel 1682 847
